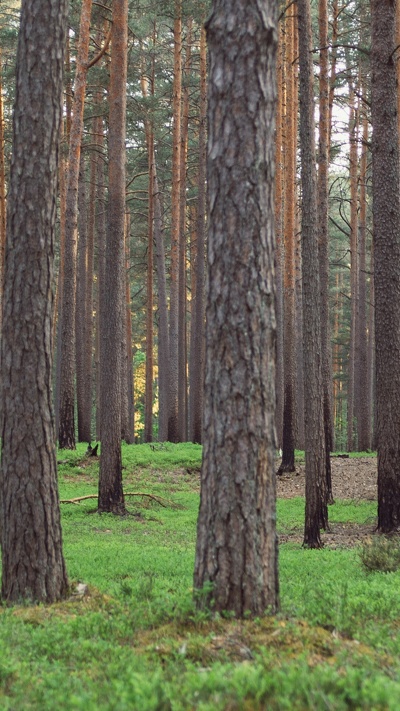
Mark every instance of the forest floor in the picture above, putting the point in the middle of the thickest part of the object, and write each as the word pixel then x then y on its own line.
pixel 354 479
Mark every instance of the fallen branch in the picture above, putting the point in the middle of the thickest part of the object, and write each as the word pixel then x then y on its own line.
pixel 163 502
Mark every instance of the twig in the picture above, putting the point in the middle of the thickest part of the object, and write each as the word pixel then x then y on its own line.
pixel 163 502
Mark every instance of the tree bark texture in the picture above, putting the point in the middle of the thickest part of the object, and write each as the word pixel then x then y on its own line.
pixel 316 516
pixel 32 562
pixel 66 432
pixel 111 497
pixel 3 203
pixel 386 230
pixel 236 538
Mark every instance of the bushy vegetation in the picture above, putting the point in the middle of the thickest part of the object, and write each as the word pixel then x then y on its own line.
pixel 381 553
pixel 136 641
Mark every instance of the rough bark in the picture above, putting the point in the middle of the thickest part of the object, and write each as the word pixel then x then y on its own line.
pixel 32 562
pixel 386 226
pixel 3 204
pixel 236 539
pixel 316 516
pixel 111 496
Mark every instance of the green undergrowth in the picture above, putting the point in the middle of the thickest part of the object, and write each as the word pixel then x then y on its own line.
pixel 136 642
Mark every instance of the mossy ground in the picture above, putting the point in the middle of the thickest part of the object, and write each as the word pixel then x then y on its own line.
pixel 137 642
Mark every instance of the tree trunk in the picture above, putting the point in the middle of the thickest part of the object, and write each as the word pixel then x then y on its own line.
pixel 111 496
pixel 84 415
pixel 289 292
pixel 364 406
pixel 32 561
pixel 66 433
pixel 323 241
pixel 279 237
pixel 173 434
pixel 386 223
pixel 353 357
pixel 198 321
pixel 236 539
pixel 316 499
pixel 163 335
pixel 3 204
pixel 182 307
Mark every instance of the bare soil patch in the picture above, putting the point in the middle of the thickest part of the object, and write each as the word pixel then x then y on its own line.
pixel 354 479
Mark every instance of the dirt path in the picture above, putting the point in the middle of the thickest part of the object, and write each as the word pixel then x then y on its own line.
pixel 351 479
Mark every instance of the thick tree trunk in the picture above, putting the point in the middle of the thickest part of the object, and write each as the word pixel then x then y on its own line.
pixel 66 433
pixel 236 539
pixel 111 496
pixel 3 204
pixel 32 562
pixel 386 223
pixel 316 499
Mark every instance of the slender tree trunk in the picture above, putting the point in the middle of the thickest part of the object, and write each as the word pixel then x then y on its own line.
pixel 89 319
pixel 236 538
pixel 182 306
pixel 148 416
pixel 364 409
pixel 316 516
pixel 33 567
pixel 173 432
pixel 101 260
pixel 279 237
pixel 289 292
pixel 111 496
pixel 323 236
pixel 386 221
pixel 128 417
pixel 198 322
pixel 84 434
pixel 66 433
pixel 353 357
pixel 163 334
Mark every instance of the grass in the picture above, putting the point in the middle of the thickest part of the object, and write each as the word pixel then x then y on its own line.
pixel 136 641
